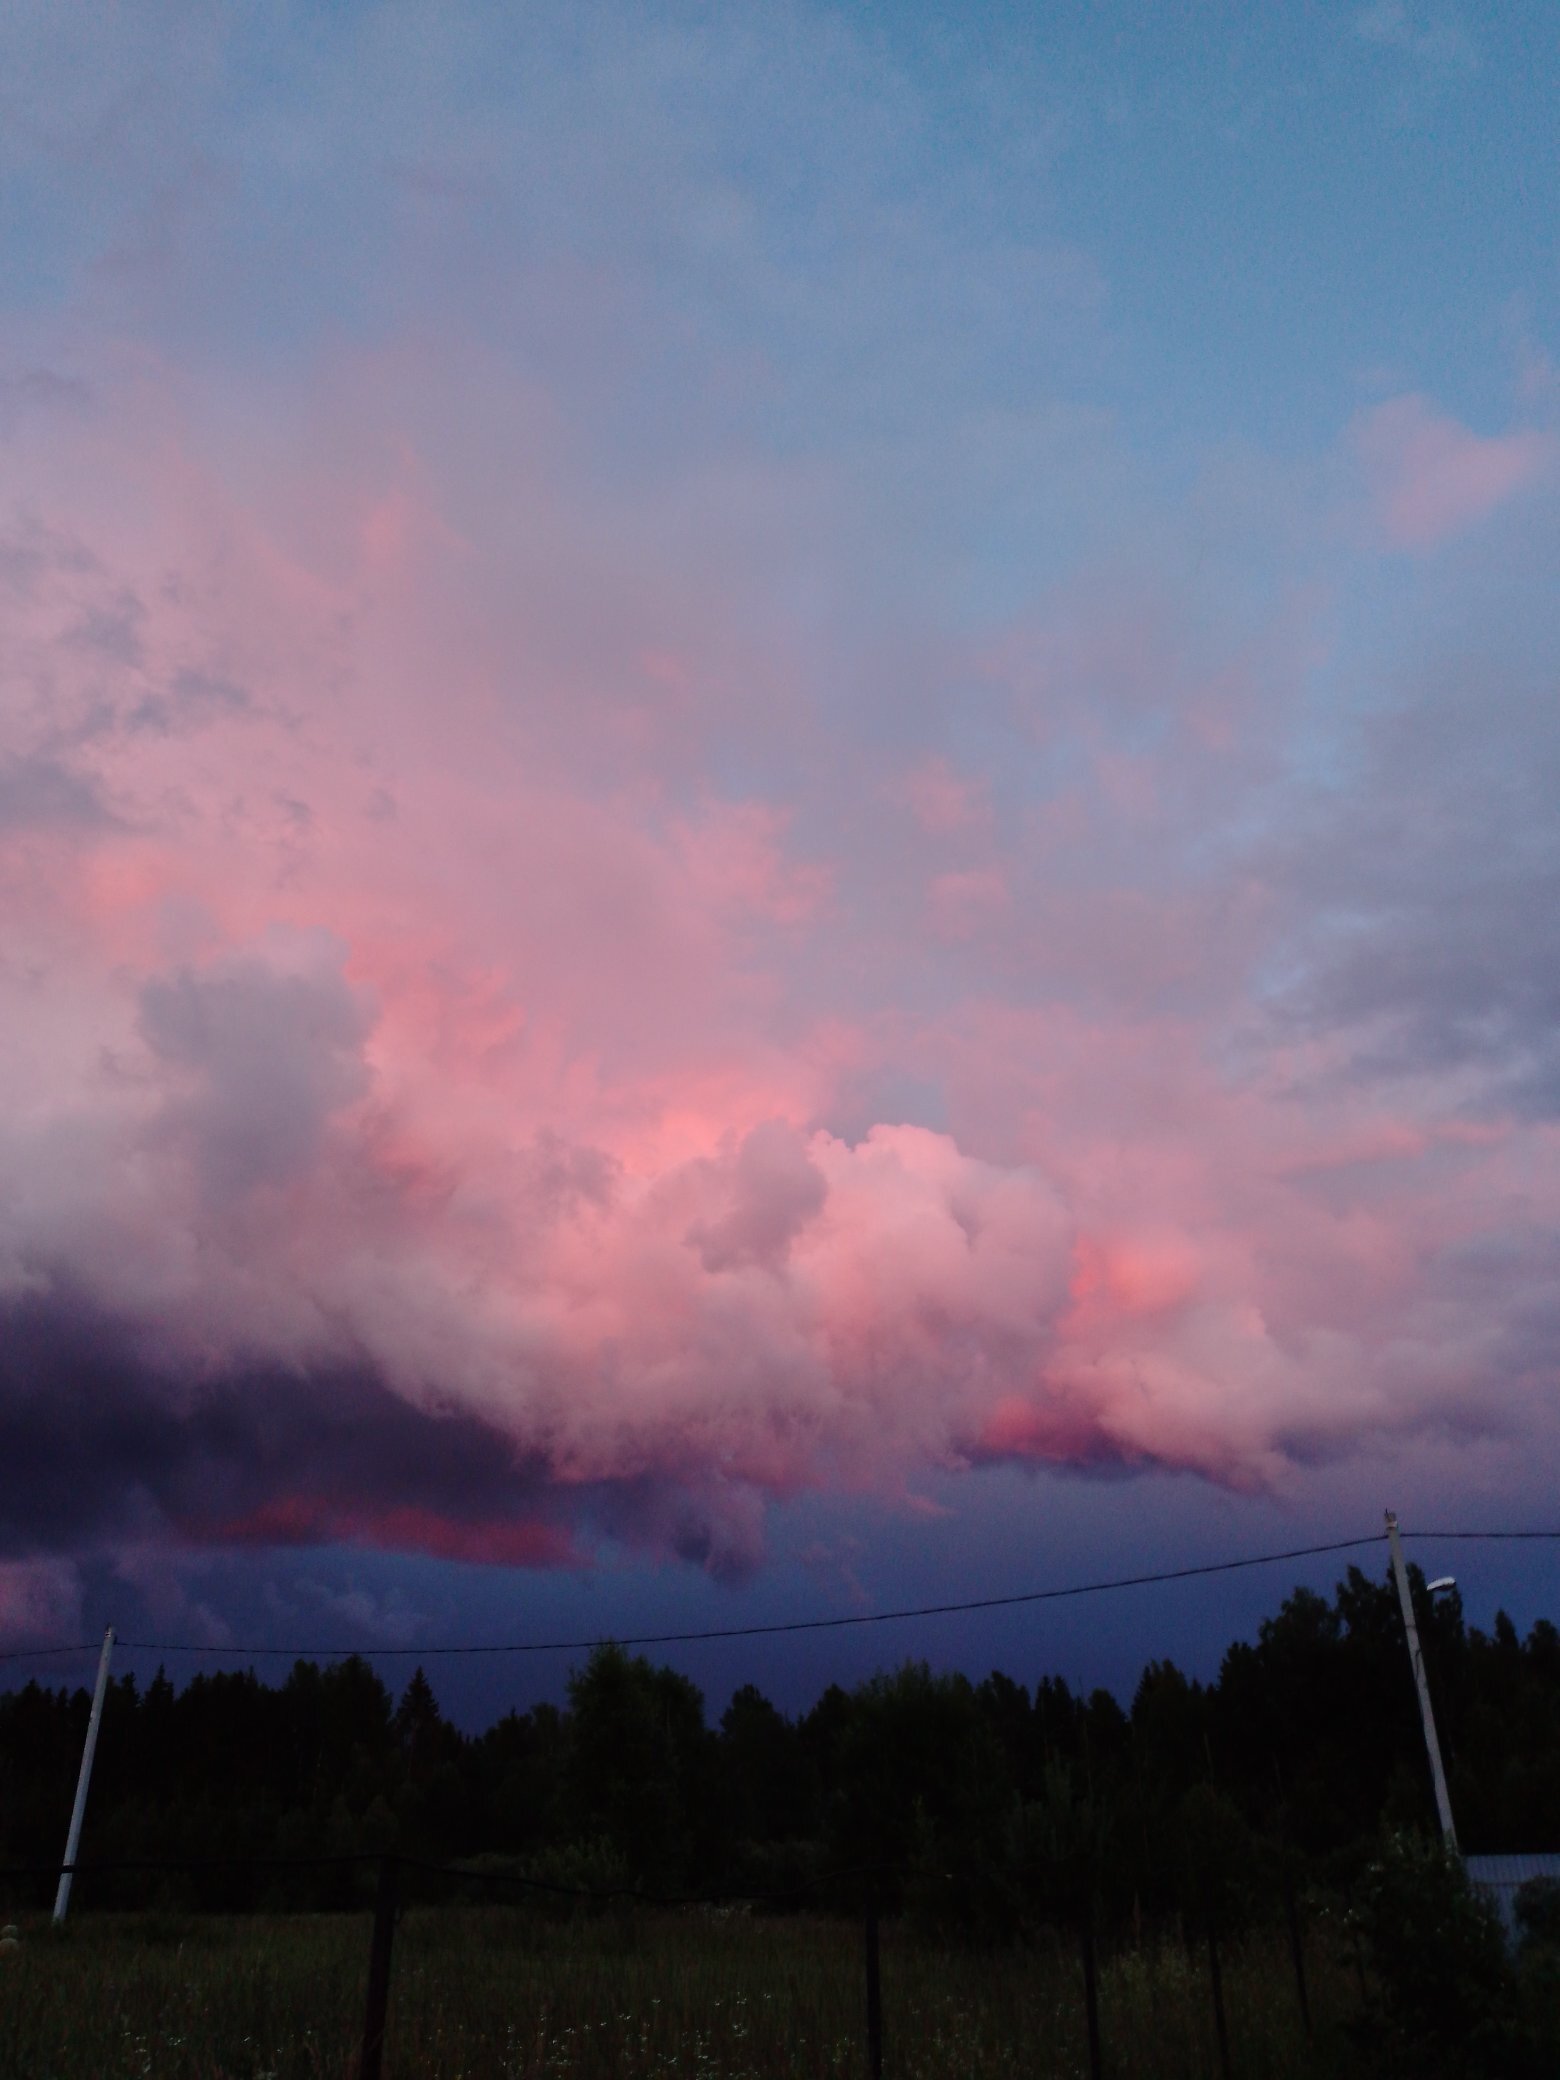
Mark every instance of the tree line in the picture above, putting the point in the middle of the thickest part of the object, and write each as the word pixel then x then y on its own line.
pixel 983 1802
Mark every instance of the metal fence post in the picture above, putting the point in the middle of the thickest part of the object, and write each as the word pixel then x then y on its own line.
pixel 1091 1997
pixel 1358 1948
pixel 1297 1950
pixel 1216 1980
pixel 371 2064
pixel 874 1993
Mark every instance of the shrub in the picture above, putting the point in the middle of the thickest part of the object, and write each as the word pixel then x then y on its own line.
pixel 1538 1911
pixel 1444 1992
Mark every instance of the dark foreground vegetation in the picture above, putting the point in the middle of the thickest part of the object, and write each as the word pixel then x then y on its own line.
pixel 616 1998
pixel 1412 1981
pixel 489 1995
pixel 994 1825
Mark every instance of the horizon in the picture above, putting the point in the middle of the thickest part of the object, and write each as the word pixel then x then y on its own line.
pixel 807 1656
pixel 776 812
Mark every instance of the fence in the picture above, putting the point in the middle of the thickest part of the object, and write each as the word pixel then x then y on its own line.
pixel 1203 1935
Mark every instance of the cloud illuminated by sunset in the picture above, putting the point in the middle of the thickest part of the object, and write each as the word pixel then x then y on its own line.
pixel 653 861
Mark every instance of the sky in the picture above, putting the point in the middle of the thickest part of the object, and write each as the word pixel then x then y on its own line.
pixel 777 819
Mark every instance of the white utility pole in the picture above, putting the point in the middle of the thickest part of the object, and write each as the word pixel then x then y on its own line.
pixel 73 1839
pixel 1443 1803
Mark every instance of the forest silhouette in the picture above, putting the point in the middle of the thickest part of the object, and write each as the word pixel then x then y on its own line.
pixel 1017 1801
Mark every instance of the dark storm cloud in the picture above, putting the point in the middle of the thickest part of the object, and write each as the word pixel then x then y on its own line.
pixel 104 1444
pixel 99 1444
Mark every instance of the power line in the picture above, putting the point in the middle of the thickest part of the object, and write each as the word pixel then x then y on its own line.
pixel 666 1639
pixel 925 1610
pixel 1446 1536
pixel 829 1624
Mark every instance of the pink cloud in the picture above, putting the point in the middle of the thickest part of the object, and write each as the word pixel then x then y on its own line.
pixel 960 903
pixel 398 985
pixel 735 855
pixel 1135 1275
pixel 306 1520
pixel 1430 478
pixel 941 800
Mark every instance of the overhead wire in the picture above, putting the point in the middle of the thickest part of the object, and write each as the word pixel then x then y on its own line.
pixel 831 1623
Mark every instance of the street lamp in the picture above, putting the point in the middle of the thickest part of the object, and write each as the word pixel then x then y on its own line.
pixel 1443 1803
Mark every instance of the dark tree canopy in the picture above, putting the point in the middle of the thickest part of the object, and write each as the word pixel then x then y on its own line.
pixel 1305 1747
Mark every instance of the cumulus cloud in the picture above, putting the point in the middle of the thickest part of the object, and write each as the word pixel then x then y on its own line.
pixel 259 1051
pixel 775 1190
pixel 566 978
pixel 474 1179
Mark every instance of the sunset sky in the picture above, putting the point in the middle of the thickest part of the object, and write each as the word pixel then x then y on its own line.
pixel 778 816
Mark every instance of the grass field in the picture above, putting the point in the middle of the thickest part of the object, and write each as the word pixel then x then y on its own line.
pixel 493 1995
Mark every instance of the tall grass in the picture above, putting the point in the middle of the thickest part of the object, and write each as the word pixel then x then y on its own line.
pixel 501 1995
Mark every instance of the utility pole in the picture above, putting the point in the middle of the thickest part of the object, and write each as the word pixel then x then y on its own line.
pixel 73 1839
pixel 1443 1803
